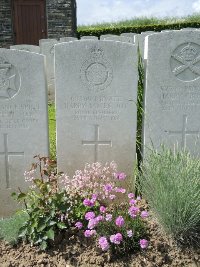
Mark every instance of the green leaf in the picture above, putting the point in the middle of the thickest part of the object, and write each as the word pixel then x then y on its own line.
pixel 61 225
pixel 21 196
pixel 43 245
pixel 50 234
pixel 22 232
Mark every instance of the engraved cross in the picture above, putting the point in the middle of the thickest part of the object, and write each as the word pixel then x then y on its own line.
pixel 184 132
pixel 6 154
pixel 96 143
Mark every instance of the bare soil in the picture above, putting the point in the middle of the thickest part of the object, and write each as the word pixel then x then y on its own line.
pixel 73 250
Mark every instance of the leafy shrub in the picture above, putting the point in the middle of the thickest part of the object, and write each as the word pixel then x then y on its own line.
pixel 170 183
pixel 49 208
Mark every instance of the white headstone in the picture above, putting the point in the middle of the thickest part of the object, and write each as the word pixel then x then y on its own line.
pixel 96 96
pixel 104 36
pixel 172 95
pixel 47 49
pixel 68 39
pixel 28 48
pixel 130 35
pixel 89 37
pixel 46 40
pixel 119 38
pixel 23 120
pixel 140 41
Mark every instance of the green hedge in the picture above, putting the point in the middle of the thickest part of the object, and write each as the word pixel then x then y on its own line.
pixel 118 30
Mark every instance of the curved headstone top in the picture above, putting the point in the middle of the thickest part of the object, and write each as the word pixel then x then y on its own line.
pixel 28 48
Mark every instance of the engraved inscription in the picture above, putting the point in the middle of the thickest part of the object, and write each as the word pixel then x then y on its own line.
pixel 7 154
pixel 96 108
pixel 183 132
pixel 186 98
pixel 96 72
pixel 19 116
pixel 9 80
pixel 185 62
pixel 96 143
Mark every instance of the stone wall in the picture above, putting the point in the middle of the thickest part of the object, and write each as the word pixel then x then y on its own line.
pixel 6 34
pixel 61 20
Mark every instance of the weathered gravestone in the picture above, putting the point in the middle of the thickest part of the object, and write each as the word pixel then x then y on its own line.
pixel 130 35
pixel 23 120
pixel 96 95
pixel 89 37
pixel 28 48
pixel 68 39
pixel 47 49
pixel 140 41
pixel 119 38
pixel 172 95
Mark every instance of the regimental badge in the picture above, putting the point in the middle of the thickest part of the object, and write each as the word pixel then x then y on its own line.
pixel 9 80
pixel 96 72
pixel 185 62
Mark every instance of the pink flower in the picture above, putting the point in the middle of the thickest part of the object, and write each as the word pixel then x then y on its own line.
pixel 108 217
pixel 88 203
pixel 92 223
pixel 94 197
pixel 138 198
pixel 129 233
pixel 132 202
pixel 119 221
pixel 131 195
pixel 120 175
pixel 116 239
pixel 144 214
pixel 108 187
pixel 133 211
pixel 89 233
pixel 103 242
pixel 99 218
pixel 79 225
pixel 143 243
pixel 112 197
pixel 102 209
pixel 89 215
pixel 120 190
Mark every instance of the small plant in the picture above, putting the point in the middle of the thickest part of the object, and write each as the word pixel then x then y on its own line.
pixel 170 184
pixel 49 208
pixel 119 227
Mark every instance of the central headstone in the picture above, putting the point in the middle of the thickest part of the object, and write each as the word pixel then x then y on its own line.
pixel 23 120
pixel 96 96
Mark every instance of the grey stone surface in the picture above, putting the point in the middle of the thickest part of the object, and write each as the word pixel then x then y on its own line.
pixel 119 38
pixel 130 35
pixel 172 96
pixel 47 49
pixel 89 37
pixel 23 120
pixel 68 39
pixel 96 95
pixel 104 36
pixel 140 41
pixel 28 48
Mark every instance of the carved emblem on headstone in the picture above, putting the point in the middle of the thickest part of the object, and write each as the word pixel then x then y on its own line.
pixel 9 80
pixel 96 72
pixel 185 62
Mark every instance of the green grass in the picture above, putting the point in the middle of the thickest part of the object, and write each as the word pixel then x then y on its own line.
pixel 52 131
pixel 142 21
pixel 9 227
pixel 170 184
